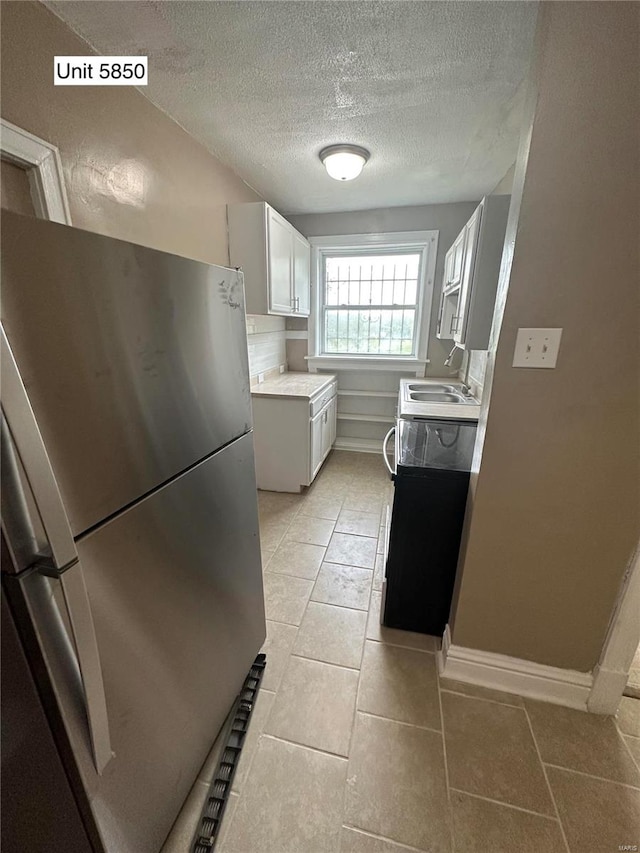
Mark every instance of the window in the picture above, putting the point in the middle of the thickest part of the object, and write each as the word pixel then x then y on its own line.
pixel 370 303
pixel 374 295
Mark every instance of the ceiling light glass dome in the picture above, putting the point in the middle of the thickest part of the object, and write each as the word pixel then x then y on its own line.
pixel 344 162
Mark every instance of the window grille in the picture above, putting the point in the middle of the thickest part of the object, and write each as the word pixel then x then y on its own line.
pixel 371 303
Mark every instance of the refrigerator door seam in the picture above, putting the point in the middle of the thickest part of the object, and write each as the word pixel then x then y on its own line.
pixel 64 562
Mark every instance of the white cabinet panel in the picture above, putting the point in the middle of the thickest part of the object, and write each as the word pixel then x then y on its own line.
pixel 333 421
pixel 317 449
pixel 301 274
pixel 456 261
pixel 280 264
pixel 471 233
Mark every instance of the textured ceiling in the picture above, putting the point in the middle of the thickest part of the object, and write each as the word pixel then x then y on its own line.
pixel 432 89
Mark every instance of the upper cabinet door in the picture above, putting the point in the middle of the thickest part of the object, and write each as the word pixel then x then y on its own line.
pixel 470 233
pixel 301 274
pixel 454 262
pixel 280 264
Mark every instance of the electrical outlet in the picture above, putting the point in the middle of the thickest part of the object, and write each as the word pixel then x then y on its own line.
pixel 282 368
pixel 261 377
pixel 537 347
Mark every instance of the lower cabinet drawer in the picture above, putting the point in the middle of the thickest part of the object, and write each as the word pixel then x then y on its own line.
pixel 318 403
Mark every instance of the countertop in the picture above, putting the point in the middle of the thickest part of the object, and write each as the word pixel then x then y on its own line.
pixel 446 411
pixel 293 385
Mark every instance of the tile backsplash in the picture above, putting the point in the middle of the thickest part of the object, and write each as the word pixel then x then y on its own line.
pixel 266 342
pixel 476 367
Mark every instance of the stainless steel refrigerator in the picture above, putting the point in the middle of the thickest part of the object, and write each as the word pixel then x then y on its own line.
pixel 132 586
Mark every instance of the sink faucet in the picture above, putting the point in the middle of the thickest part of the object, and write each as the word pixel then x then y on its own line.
pixel 466 390
pixel 449 358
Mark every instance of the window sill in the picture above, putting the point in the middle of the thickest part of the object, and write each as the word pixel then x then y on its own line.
pixel 368 362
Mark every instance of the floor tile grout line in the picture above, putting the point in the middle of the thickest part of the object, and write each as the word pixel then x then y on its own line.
pixel 370 834
pixel 348 565
pixel 399 722
pixel 546 779
pixel 505 804
pixel 280 622
pixel 341 606
pixel 591 776
pixel 354 718
pixel 238 791
pixel 399 646
pixel 324 662
pixel 290 575
pixel 626 746
pixel 353 533
pixel 335 604
pixel 446 763
pixel 481 698
pixel 306 746
pixel 635 760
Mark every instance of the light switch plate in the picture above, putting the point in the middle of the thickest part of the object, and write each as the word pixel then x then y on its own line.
pixel 537 347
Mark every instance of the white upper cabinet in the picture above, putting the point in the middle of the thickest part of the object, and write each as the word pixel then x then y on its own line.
pixel 470 233
pixel 301 274
pixel 471 270
pixel 280 262
pixel 275 259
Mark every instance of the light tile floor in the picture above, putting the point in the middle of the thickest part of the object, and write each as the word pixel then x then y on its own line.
pixel 357 746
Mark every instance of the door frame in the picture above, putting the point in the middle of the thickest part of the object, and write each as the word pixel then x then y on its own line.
pixel 41 161
pixel 623 637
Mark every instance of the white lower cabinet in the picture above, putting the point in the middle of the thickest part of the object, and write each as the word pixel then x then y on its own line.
pixel 292 438
pixel 323 434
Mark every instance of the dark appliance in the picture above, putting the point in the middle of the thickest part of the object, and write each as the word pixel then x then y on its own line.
pixel 431 480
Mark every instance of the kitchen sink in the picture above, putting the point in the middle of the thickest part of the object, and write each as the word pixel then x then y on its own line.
pixel 431 387
pixel 429 399
pixel 436 397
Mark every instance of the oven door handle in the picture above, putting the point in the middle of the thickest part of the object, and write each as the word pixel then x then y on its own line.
pixel 385 442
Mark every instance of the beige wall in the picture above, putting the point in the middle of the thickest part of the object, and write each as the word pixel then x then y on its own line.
pixel 448 219
pixel 131 172
pixel 555 502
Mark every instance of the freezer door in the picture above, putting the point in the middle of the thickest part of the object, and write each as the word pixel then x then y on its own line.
pixel 134 360
pixel 175 587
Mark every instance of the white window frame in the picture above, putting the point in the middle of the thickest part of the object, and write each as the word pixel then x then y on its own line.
pixel 423 242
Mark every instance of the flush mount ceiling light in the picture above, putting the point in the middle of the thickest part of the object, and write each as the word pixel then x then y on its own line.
pixel 344 162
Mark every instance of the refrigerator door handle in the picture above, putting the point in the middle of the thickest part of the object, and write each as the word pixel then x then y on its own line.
pixel 63 562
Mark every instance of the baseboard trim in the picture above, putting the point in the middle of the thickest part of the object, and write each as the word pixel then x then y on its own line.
pixel 608 686
pixel 515 675
pixel 359 445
